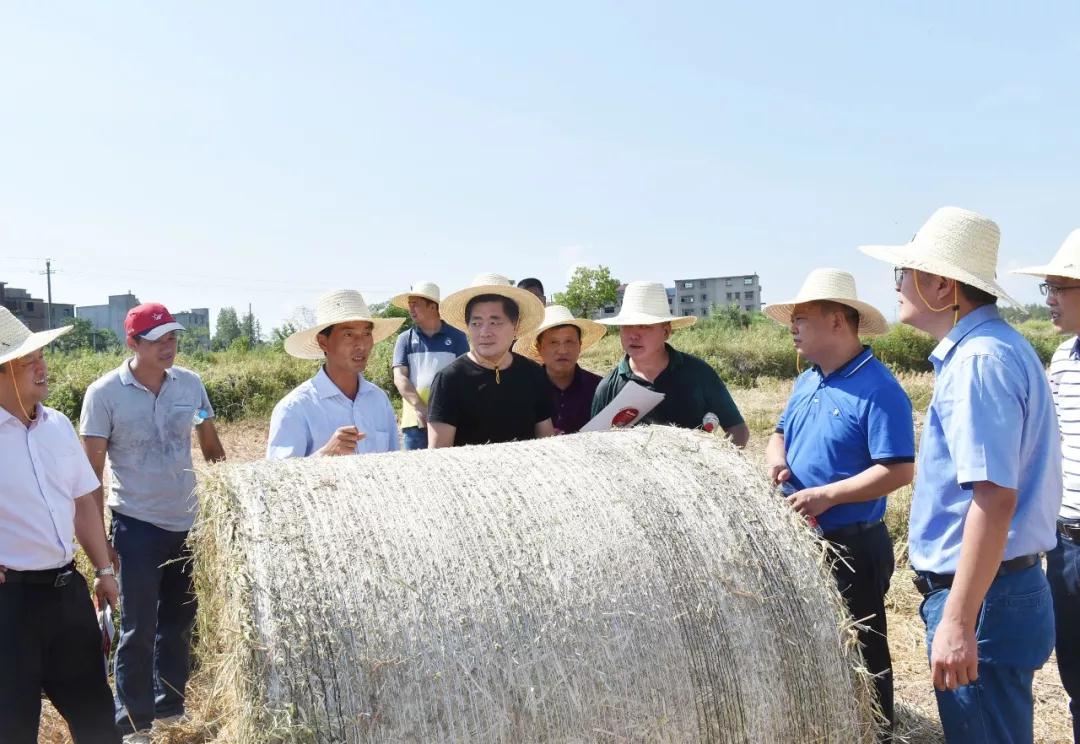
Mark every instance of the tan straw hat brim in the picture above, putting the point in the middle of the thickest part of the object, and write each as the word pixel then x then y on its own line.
pixel 530 308
pixel 633 318
pixel 11 350
pixel 1066 262
pixel 905 258
pixel 591 333
pixel 305 344
pixel 402 300
pixel 871 321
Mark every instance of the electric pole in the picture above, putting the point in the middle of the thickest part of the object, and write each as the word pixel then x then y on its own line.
pixel 48 306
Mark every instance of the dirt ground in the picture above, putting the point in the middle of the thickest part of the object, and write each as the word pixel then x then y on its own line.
pixel 914 693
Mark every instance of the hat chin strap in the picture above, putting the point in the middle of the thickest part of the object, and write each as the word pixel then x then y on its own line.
pixel 955 307
pixel 18 397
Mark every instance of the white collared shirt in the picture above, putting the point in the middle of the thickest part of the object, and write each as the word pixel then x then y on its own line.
pixel 1065 384
pixel 43 469
pixel 305 419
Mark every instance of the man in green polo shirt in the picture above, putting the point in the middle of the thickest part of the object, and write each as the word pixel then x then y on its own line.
pixel 692 389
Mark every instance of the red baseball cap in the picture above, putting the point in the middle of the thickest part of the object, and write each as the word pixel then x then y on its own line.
pixel 150 320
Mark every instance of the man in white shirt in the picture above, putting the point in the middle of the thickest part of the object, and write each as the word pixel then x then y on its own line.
pixel 49 638
pixel 1061 287
pixel 337 412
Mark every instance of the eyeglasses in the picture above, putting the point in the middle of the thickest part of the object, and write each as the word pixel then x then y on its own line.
pixel 898 275
pixel 1046 289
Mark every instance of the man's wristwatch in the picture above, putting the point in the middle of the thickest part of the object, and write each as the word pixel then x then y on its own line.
pixel 107 571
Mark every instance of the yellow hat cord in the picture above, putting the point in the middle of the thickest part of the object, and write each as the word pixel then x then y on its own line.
pixel 488 364
pixel 955 307
pixel 18 397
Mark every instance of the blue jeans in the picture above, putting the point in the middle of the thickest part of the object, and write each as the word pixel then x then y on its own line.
pixel 1015 634
pixel 1063 572
pixel 157 613
pixel 415 437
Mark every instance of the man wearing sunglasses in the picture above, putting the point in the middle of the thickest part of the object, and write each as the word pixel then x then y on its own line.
pixel 1061 289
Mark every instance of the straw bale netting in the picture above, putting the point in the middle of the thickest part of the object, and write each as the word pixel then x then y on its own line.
pixel 627 586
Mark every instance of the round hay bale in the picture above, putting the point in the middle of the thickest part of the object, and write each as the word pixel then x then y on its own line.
pixel 643 585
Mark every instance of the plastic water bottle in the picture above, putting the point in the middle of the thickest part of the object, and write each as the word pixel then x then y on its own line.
pixel 199 416
pixel 710 422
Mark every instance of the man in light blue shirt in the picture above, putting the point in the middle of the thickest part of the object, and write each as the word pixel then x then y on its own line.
pixel 337 412
pixel 988 483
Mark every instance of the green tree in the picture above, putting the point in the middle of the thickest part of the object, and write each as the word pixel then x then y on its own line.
pixel 1031 311
pixel 588 291
pixel 83 335
pixel 386 310
pixel 249 327
pixel 228 328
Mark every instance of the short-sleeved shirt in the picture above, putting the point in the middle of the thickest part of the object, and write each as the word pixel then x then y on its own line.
pixel 466 396
pixel 43 470
pixel 305 419
pixel 149 443
pixel 425 356
pixel 838 425
pixel 1065 385
pixel 571 409
pixel 691 390
pixel 991 418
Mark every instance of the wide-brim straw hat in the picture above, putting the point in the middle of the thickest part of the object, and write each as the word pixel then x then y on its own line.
pixel 1066 262
pixel 530 308
pixel 646 303
pixel 16 340
pixel 831 285
pixel 339 306
pixel 555 316
pixel 427 290
pixel 955 243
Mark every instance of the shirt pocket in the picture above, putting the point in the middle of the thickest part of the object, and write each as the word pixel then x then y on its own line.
pixel 379 441
pixel 181 417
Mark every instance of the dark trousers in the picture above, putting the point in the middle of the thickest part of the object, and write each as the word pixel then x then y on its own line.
pixel 863 578
pixel 1063 573
pixel 157 613
pixel 49 641
pixel 415 437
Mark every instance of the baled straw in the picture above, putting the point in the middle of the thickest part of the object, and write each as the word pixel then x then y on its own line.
pixel 643 585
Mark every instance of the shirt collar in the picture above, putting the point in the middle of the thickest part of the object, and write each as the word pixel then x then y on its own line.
pixel 42 416
pixel 967 324
pixel 850 367
pixel 326 388
pixel 127 377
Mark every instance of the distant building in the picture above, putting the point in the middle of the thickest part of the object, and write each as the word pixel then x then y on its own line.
pixel 696 296
pixel 33 311
pixel 197 323
pixel 110 316
pixel 612 310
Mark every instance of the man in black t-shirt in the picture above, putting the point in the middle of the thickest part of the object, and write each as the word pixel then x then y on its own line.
pixel 491 394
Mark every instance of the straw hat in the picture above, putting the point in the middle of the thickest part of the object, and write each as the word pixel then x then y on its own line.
pixel 954 243
pixel 554 316
pixel 529 305
pixel 831 285
pixel 1066 262
pixel 16 340
pixel 646 303
pixel 427 290
pixel 339 306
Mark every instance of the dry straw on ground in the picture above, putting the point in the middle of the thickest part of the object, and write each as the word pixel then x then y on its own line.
pixel 631 586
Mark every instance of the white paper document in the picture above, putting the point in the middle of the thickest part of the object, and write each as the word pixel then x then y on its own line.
pixel 632 402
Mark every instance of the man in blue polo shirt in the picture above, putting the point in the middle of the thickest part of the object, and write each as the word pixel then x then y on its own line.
pixel 843 443
pixel 419 353
pixel 989 484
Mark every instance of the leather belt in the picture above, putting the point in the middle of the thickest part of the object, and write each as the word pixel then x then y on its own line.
pixel 1070 530
pixel 850 530
pixel 55 577
pixel 927 581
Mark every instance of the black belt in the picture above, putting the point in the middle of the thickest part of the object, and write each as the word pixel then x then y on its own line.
pixel 850 530
pixel 55 577
pixel 927 581
pixel 1070 530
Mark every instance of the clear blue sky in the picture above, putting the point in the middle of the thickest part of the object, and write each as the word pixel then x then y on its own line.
pixel 210 154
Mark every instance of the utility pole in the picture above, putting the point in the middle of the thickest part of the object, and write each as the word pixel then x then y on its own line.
pixel 48 281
